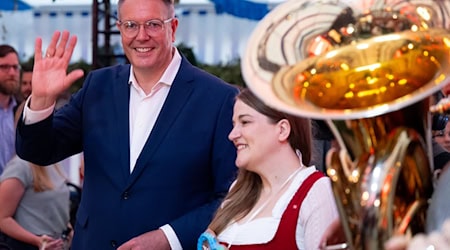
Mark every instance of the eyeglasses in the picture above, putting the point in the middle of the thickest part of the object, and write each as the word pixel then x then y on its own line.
pixel 7 67
pixel 152 27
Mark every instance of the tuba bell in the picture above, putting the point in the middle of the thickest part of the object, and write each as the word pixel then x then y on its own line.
pixel 368 68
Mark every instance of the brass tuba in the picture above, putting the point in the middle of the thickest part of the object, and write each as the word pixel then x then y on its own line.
pixel 368 68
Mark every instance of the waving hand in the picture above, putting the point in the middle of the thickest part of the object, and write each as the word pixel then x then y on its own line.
pixel 50 77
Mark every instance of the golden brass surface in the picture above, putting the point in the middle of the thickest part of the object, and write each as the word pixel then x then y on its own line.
pixel 381 175
pixel 370 73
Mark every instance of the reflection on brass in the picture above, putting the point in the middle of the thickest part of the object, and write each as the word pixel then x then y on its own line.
pixel 367 67
pixel 381 176
pixel 374 72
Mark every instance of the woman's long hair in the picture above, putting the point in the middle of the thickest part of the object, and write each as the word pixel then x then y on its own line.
pixel 246 191
pixel 41 179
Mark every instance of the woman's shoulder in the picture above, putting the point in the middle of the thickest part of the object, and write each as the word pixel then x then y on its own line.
pixel 307 172
pixel 17 168
pixel 320 190
pixel 322 181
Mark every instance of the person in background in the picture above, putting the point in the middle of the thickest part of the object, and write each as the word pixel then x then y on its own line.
pixel 34 213
pixel 443 136
pixel 35 206
pixel 25 83
pixel 439 206
pixel 440 131
pixel 9 85
pixel 157 162
pixel 439 122
pixel 276 202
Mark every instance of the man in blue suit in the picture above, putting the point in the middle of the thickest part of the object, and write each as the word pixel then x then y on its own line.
pixel 153 133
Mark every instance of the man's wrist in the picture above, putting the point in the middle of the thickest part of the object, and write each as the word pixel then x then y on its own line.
pixel 38 103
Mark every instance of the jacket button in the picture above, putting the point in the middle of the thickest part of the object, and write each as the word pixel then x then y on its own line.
pixel 125 195
pixel 113 243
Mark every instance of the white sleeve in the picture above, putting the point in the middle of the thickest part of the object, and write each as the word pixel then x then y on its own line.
pixel 317 213
pixel 33 116
pixel 174 242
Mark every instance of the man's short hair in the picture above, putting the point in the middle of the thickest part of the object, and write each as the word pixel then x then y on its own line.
pixel 5 49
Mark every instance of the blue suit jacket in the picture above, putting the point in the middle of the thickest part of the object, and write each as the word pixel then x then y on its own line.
pixel 181 175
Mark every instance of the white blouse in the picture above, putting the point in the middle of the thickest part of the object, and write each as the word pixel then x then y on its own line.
pixel 317 212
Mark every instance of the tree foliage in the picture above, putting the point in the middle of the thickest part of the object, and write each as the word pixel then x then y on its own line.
pixel 229 72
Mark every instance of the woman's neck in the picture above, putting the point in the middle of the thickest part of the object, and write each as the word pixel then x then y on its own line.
pixel 269 197
pixel 274 176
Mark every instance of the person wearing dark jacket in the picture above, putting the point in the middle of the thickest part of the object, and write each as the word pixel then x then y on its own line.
pixel 157 162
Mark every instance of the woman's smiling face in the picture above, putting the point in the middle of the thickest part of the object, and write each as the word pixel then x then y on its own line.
pixel 253 134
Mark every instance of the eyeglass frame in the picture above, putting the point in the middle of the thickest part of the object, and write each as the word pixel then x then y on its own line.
pixel 8 67
pixel 162 22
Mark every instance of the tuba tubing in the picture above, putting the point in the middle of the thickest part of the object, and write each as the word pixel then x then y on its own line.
pixel 381 176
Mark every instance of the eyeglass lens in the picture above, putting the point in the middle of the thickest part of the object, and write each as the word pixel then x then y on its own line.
pixel 152 27
pixel 7 67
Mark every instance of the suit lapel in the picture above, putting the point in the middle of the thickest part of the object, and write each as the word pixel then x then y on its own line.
pixel 178 95
pixel 121 95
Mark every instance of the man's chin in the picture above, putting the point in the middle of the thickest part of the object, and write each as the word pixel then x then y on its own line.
pixel 8 91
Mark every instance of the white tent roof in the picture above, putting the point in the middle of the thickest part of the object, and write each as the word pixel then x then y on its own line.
pixel 84 2
pixel 214 37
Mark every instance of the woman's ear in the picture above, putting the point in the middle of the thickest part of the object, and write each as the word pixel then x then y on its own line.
pixel 284 129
